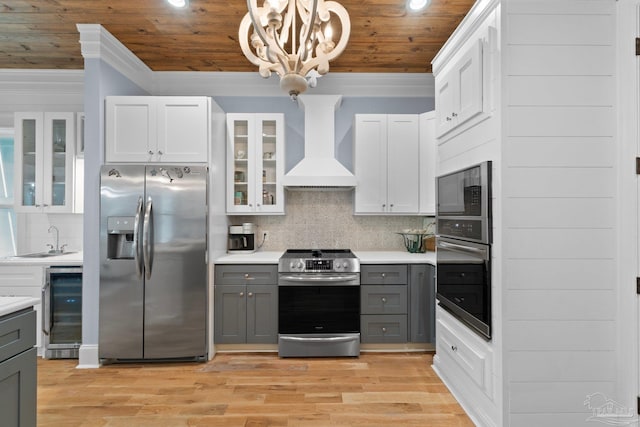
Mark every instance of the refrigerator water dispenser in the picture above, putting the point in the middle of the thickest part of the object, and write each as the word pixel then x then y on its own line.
pixel 120 237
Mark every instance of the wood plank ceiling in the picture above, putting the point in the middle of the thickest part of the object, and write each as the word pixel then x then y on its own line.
pixel 385 36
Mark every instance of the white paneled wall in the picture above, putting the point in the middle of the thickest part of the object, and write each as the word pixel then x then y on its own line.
pixel 559 284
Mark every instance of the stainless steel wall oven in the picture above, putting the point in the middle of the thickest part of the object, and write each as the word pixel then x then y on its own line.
pixel 463 249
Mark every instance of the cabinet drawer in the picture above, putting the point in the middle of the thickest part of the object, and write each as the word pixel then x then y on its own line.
pixel 383 274
pixel 17 334
pixel 472 361
pixel 246 274
pixel 381 299
pixel 388 328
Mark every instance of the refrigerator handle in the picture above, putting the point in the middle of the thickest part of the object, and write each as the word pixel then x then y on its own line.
pixel 147 238
pixel 137 247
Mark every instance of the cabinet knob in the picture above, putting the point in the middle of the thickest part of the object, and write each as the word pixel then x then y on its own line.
pixel 241 294
pixel 383 275
pixel 160 153
pixel 150 152
pixel 384 330
pixel 391 205
pixel 384 300
pixel 448 119
pixel 384 206
pixel 454 348
pixel 247 277
pixel 250 294
pixel 454 114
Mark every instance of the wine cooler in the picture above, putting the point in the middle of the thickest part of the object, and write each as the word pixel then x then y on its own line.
pixel 62 312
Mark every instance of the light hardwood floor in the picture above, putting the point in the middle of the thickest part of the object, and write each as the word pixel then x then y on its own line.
pixel 251 390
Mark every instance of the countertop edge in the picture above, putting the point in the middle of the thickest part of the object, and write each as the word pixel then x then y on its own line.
pixel 365 257
pixel 72 259
pixel 9 305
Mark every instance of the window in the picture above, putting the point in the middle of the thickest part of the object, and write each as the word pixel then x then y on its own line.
pixel 7 215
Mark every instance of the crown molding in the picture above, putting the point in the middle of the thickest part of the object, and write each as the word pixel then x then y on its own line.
pixel 473 20
pixel 97 43
pixel 44 82
pixel 251 84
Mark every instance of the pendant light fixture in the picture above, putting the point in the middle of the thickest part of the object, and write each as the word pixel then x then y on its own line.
pixel 294 38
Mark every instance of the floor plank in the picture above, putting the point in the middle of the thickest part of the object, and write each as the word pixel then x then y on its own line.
pixel 250 390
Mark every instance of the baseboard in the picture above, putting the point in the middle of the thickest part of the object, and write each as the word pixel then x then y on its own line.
pixel 88 357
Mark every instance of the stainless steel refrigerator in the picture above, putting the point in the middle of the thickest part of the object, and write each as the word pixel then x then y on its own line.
pixel 153 272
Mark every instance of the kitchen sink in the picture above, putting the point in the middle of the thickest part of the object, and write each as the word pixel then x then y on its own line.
pixel 43 254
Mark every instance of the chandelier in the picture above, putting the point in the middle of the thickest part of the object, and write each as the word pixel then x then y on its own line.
pixel 276 45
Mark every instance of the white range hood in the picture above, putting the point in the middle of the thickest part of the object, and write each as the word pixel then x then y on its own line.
pixel 319 168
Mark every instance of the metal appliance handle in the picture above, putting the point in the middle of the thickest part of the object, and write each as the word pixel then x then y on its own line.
pixel 317 339
pixel 147 238
pixel 454 246
pixel 46 317
pixel 137 247
pixel 314 279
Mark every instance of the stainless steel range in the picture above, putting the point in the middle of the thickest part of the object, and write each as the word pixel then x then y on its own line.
pixel 318 303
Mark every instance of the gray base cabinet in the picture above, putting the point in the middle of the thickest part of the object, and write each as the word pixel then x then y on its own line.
pixel 246 304
pixel 383 304
pixel 422 307
pixel 397 303
pixel 18 377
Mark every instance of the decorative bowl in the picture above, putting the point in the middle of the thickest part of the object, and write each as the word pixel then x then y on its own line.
pixel 415 242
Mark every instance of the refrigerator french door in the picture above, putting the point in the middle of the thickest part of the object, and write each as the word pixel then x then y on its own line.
pixel 153 273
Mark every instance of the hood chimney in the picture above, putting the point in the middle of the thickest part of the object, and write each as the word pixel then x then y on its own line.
pixel 319 167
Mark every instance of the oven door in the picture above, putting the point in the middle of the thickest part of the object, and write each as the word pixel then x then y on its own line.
pixel 318 304
pixel 464 282
pixel 318 315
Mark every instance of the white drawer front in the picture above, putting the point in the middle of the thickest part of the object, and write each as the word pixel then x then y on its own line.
pixel 472 361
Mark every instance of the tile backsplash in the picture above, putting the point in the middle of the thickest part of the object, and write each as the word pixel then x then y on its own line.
pixel 324 219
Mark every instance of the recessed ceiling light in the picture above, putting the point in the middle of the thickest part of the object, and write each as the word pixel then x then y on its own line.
pixel 418 4
pixel 178 3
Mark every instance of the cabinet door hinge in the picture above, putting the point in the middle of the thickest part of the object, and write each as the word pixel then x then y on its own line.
pixel 637 46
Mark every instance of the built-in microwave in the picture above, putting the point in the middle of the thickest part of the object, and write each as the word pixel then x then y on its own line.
pixel 463 248
pixel 463 209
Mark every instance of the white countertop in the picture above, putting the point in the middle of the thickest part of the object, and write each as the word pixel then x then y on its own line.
pixel 260 257
pixel 72 258
pixel 10 305
pixel 395 257
pixel 366 257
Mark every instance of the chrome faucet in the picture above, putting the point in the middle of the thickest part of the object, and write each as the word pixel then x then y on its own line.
pixel 57 248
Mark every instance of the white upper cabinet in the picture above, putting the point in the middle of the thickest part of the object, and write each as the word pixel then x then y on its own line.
pixel 255 163
pixel 459 91
pixel 164 129
pixel 44 162
pixel 387 163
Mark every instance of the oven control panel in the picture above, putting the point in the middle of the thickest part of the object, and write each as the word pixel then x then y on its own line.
pixel 302 265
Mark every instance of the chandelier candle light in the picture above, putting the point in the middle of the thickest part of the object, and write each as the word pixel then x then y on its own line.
pixel 274 28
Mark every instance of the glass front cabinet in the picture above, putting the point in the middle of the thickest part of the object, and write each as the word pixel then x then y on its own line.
pixel 44 162
pixel 255 163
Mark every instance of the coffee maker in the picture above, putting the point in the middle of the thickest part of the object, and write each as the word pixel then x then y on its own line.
pixel 242 238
